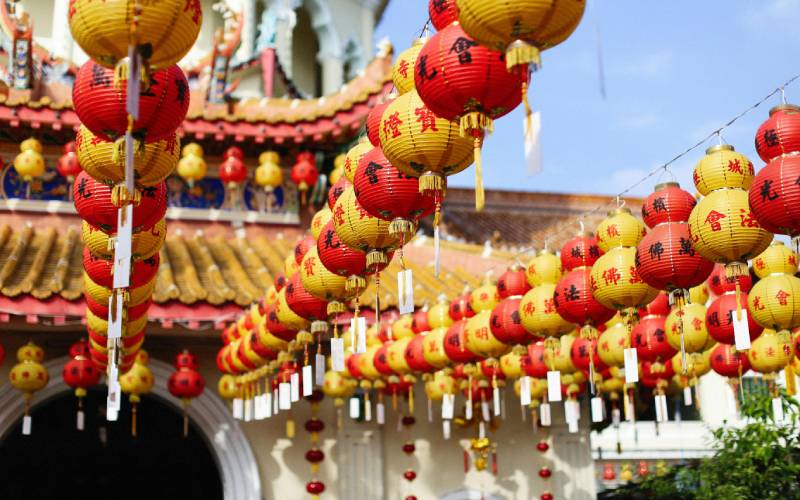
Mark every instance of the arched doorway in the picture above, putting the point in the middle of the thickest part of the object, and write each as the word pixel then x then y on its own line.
pixel 210 417
pixel 104 460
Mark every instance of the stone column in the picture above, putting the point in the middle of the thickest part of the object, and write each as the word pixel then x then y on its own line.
pixel 332 68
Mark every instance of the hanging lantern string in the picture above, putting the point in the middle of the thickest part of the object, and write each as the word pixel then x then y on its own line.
pixel 659 170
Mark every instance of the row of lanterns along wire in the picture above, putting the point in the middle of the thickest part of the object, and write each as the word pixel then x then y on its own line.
pixel 622 307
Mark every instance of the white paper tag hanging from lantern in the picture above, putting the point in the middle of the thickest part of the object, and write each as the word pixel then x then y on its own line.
pixel 485 411
pixel 116 308
pixel 355 408
pixel 122 249
pixel 267 405
pixel 358 327
pixel 405 292
pixel 248 410
pixel 367 410
pixel 544 414
pixel 741 330
pixel 258 408
pixel 496 401
pixel 525 391
pixel 80 420
pixel 285 395
pixel 631 366
pixel 446 429
pixel 308 384
pixel 337 354
pixel 276 407
pixel 687 396
pixel 777 410
pixel 554 385
pixel 481 430
pixel 597 409
pixel 294 385
pixel 27 423
pixel 319 369
pixel 238 408
pixel 380 413
pixel 468 410
pixel 448 406
pixel 531 127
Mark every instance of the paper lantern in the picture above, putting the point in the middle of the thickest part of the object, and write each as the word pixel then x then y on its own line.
pixel 319 221
pixel 164 32
pixel 139 379
pixel 558 355
pixel 728 362
pixel 304 172
pixel 439 314
pixel 686 328
pixel 697 363
pixel 319 281
pixel 544 268
pixel 336 190
pixel 433 348
pixel 581 350
pixel 415 355
pixel 439 385
pixel 353 157
pixel 580 251
pixel 68 166
pixel 93 201
pixel 478 337
pixel 513 283
pixel 484 298
pixel 419 321
pixel 29 375
pixel 286 316
pixel 29 163
pixel 338 257
pixel 100 103
pixel 442 13
pixel 775 195
pixel 101 294
pixel 521 28
pixel 611 345
pixel 306 243
pixel 620 228
pixel 455 344
pixel 575 302
pixel 227 387
pixel 101 271
pixel 232 172
pixel 667 203
pixel 539 314
pixel 461 307
pixel 269 174
pixel 373 124
pixel 192 167
pixel 305 305
pixel 404 67
pixel 649 338
pixel 145 244
pixel 774 302
pixel 616 283
pixel 720 314
pixel 780 134
pixel 770 352
pixel 776 259
pixel 396 355
pixel 402 327
pixel 719 282
pixel 105 162
pixel 506 323
pixel 361 231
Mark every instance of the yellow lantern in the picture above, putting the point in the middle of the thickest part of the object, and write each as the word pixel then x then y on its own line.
pixel 688 320
pixel 335 385
pixel 558 356
pixel 699 294
pixel 521 28
pixel 538 388
pixel 774 302
pixel 616 283
pixel 439 315
pixel 619 229
pixel 353 157
pixel 723 228
pixel 697 363
pixel 29 375
pixel 611 344
pixel 286 316
pixel 484 298
pixel 419 143
pixel 366 363
pixel 167 29
pixel 227 387
pixel 144 244
pixel 320 282
pixel 269 174
pixel 338 169
pixel 139 379
pixel 361 231
pixel 479 339
pixel 290 265
pixel 770 352
pixel 402 327
pixel 272 342
pixel 101 294
pixel 102 160
pixel 544 268
pixel 319 221
pixel 439 385
pixel 511 365
pixel 433 348
pixel 776 259
pixel 396 356
pixel 722 167
pixel 612 385
pixel 29 163
pixel 537 311
pixel 192 167
pixel 373 336
pixel 403 70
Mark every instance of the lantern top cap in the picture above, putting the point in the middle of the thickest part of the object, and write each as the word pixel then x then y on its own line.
pixel 665 185
pixel 420 41
pixel 719 147
pixel 784 107
pixel 620 210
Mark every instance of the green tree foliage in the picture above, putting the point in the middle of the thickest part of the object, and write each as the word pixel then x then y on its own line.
pixel 759 460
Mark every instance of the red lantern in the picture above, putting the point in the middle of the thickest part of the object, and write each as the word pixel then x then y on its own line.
pixel 374 121
pixel 506 324
pixel 655 373
pixel 720 283
pixel 307 243
pixel 775 195
pixel 280 282
pixel 458 79
pixel 443 13
pixel 649 338
pixel 100 271
pixel 337 257
pixel 460 307
pixel 101 310
pixel 535 365
pixel 100 104
pixel 79 372
pixel 513 283
pixel 232 172
pixel 259 348
pixel 304 172
pixel 415 357
pixel 186 382
pixel 336 190
pixel 93 202
pixel 659 306
pixel 303 303
pixel 276 328
pixel 728 362
pixel 68 165
pixel 574 300
pixel 720 315
pixel 780 134
pixel 580 352
pixel 454 347
pixel 419 321
pixel 386 193
pixel 381 361
pixel 580 251
pixel 235 152
pixel 665 257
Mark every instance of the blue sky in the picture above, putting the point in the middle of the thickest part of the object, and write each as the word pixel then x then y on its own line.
pixel 674 71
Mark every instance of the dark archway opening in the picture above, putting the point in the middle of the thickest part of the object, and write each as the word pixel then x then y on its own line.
pixel 104 461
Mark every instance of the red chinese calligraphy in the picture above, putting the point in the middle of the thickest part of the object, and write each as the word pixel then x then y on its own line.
pixel 713 219
pixel 391 125
pixel 402 68
pixel 611 275
pixel 308 266
pixel 635 276
pixel 426 117
pixel 194 7
pixel 612 230
pixel 782 297
pixel 735 166
pixel 747 219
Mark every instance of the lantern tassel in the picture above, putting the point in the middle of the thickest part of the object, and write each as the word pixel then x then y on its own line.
pixel 480 196
pixel 519 53
pixel 411 399
pixel 791 385
pixel 185 419
pixel 474 122
pixel 133 420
